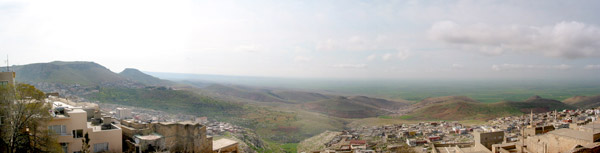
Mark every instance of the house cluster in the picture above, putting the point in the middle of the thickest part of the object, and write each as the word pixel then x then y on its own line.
pixel 144 115
pixel 549 132
pixel 394 137
pixel 219 128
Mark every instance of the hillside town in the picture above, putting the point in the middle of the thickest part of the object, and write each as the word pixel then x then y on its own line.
pixel 118 129
pixel 565 131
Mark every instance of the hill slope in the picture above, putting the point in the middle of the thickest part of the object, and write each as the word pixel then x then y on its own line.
pixel 584 101
pixel 461 109
pixel 141 77
pixel 264 95
pixel 242 93
pixel 353 107
pixel 83 73
pixel 174 101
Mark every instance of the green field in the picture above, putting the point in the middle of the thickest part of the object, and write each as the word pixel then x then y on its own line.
pixel 481 91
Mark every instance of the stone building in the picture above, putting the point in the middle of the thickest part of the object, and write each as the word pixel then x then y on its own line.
pixel 560 141
pixel 488 138
pixel 532 131
pixel 173 137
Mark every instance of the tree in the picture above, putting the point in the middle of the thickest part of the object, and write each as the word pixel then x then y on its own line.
pixel 25 113
pixel 85 147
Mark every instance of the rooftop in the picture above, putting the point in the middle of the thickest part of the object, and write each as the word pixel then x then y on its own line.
pixel 223 143
pixel 587 136
pixel 149 137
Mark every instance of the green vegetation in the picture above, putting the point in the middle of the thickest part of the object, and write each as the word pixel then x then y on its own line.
pixel 487 92
pixel 23 114
pixel 83 73
pixel 353 107
pixel 138 76
pixel 174 101
pixel 290 147
pixel 467 110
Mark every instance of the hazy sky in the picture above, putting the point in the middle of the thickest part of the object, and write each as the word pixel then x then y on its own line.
pixel 317 39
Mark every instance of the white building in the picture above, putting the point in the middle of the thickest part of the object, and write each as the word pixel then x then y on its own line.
pixel 123 113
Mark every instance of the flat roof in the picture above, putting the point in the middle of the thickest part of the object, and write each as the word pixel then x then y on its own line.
pixel 149 137
pixel 588 136
pixel 222 143
pixel 594 125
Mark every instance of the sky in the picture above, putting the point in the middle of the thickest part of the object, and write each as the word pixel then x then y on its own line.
pixel 312 38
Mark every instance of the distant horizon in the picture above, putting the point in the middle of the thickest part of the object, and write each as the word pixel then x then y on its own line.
pixel 312 39
pixel 465 79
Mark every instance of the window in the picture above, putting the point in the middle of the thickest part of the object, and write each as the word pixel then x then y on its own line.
pixel 78 133
pixel 65 147
pixel 3 83
pixel 58 129
pixel 100 147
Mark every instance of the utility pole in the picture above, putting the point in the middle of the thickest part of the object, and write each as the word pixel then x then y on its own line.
pixel 7 69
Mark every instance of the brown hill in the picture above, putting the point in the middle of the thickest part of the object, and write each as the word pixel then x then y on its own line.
pixel 83 73
pixel 436 100
pixel 584 101
pixel 378 103
pixel 300 96
pixel 242 93
pixel 461 108
pixel 353 107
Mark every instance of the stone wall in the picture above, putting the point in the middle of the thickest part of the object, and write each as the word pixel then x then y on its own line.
pixel 184 137
pixel 178 137
pixel 552 143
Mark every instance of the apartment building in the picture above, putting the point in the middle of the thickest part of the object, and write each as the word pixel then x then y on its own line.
pixel 123 113
pixel 71 123
pixel 7 78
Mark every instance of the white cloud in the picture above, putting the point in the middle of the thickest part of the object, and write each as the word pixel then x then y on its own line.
pixel 457 66
pixel 386 57
pixel 302 59
pixel 508 67
pixel 249 48
pixel 403 54
pixel 353 66
pixel 357 43
pixel 592 67
pixel 371 57
pixel 569 40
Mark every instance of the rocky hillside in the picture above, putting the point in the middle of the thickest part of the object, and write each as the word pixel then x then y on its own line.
pixel 353 107
pixel 83 73
pixel 459 108
pixel 584 101
pixel 141 77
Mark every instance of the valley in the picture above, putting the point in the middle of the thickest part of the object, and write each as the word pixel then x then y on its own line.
pixel 282 117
